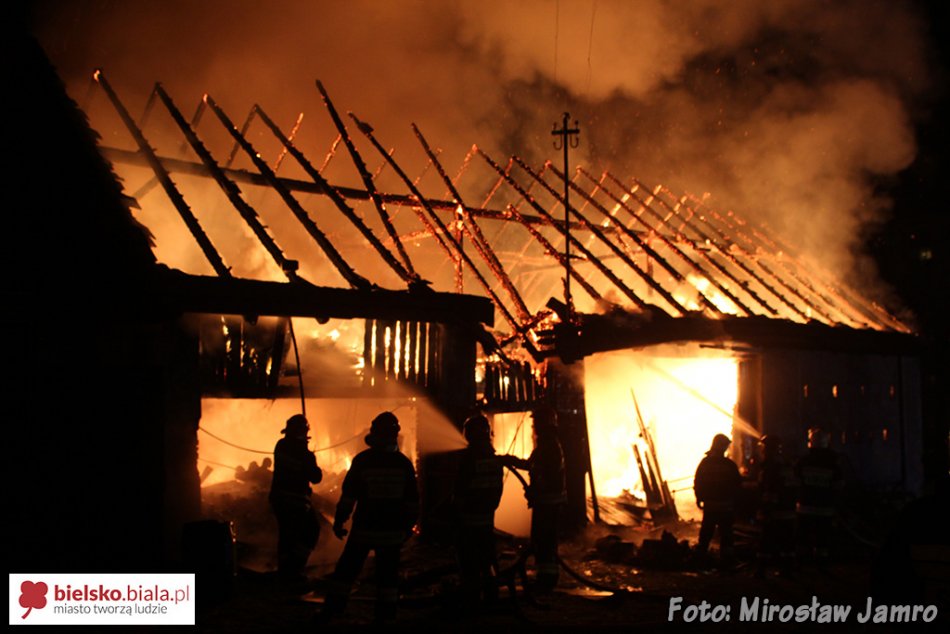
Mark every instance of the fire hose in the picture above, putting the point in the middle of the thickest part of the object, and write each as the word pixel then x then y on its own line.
pixel 602 587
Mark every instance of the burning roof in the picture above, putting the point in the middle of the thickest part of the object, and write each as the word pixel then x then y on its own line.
pixel 641 254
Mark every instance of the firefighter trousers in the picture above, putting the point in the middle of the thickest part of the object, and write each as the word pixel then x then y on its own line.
pixel 348 569
pixel 544 522
pixel 711 520
pixel 477 564
pixel 297 533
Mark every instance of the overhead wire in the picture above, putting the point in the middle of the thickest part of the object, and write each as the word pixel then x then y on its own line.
pixel 557 28
pixel 590 46
pixel 270 453
pixel 218 464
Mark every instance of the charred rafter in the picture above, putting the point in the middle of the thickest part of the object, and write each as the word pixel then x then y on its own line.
pixel 342 266
pixel 163 177
pixel 663 243
pixel 230 189
pixel 339 201
pixel 446 238
pixel 471 228
pixel 606 271
pixel 644 244
pixel 367 178
pixel 648 279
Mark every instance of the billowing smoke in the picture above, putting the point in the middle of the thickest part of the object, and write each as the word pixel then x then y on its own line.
pixel 786 110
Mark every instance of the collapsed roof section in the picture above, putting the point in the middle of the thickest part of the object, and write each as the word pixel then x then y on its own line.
pixel 637 251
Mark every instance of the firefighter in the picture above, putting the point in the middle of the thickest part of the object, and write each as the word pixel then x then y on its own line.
pixel 381 486
pixel 776 509
pixel 819 476
pixel 546 493
pixel 295 468
pixel 717 485
pixel 478 489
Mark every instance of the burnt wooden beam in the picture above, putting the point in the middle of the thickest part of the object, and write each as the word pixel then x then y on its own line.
pixel 184 293
pixel 367 179
pixel 338 200
pixel 229 188
pixel 621 331
pixel 180 166
pixel 647 278
pixel 471 228
pixel 150 158
pixel 658 222
pixel 336 259
pixel 590 257
pixel 442 233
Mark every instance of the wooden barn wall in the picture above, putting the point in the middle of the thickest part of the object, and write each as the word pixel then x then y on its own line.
pixel 870 404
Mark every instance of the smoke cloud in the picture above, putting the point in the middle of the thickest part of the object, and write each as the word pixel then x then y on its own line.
pixel 788 111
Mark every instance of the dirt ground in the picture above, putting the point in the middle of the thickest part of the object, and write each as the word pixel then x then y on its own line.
pixel 619 586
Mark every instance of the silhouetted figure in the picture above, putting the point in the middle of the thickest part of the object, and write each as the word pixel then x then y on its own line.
pixel 717 484
pixel 776 512
pixel 546 493
pixel 478 489
pixel 295 468
pixel 258 475
pixel 381 486
pixel 819 477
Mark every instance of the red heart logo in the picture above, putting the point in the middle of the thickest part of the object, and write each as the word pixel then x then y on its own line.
pixel 33 595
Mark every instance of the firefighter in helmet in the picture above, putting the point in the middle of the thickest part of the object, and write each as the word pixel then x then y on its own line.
pixel 546 493
pixel 717 484
pixel 295 468
pixel 478 489
pixel 776 509
pixel 381 487
pixel 819 477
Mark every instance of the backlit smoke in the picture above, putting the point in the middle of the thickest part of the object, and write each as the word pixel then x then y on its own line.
pixel 784 110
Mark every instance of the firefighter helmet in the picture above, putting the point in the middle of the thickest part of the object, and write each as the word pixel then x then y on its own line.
pixel 544 419
pixel 296 426
pixel 383 430
pixel 476 428
pixel 720 443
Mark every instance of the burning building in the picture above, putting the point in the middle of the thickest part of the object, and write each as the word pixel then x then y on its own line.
pixel 324 274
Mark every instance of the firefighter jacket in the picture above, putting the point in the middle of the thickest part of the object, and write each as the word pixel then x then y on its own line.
pixel 478 486
pixel 546 471
pixel 295 467
pixel 777 490
pixel 819 475
pixel 381 485
pixel 717 483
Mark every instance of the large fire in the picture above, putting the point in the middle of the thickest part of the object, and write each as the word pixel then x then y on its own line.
pixel 236 432
pixel 684 402
pixel 685 396
pixel 512 435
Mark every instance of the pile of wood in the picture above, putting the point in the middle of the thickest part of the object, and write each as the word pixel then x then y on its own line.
pixel 659 498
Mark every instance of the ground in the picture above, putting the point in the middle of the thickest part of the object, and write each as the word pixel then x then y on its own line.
pixel 609 558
